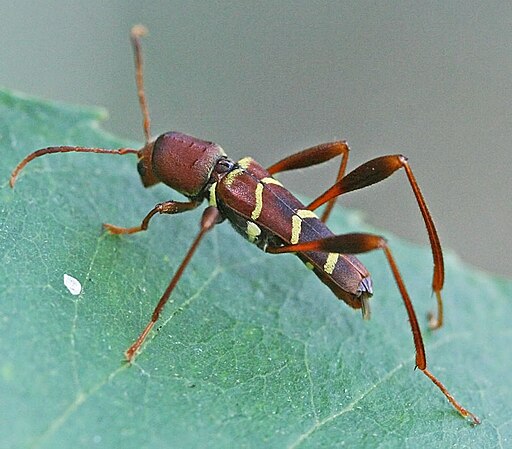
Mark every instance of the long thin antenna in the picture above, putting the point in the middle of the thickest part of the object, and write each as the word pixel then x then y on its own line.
pixel 136 33
pixel 64 149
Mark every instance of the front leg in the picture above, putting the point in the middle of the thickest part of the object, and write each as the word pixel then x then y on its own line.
pixel 210 218
pixel 168 207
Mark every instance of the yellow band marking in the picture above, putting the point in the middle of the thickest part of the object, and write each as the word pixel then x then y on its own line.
pixel 330 263
pixel 213 197
pixel 304 213
pixel 297 223
pixel 258 197
pixel 309 265
pixel 296 227
pixel 245 162
pixel 253 231
pixel 230 177
pixel 271 181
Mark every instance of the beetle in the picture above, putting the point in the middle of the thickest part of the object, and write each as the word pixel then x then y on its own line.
pixel 262 210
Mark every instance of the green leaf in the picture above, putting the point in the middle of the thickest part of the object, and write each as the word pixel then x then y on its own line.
pixel 252 351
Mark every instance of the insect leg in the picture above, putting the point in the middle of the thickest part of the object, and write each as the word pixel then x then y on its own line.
pixel 168 207
pixel 313 156
pixel 359 243
pixel 375 171
pixel 209 219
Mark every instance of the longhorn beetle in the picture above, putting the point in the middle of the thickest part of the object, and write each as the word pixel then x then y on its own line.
pixel 263 211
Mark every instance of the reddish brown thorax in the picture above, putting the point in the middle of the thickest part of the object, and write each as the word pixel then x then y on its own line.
pixel 181 162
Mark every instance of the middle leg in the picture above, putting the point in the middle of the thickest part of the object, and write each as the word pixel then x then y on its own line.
pixel 313 156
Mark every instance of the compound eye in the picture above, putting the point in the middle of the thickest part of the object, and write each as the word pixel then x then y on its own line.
pixel 224 165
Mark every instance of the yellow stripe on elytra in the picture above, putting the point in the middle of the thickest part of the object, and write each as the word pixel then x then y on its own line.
pixel 296 227
pixel 213 196
pixel 245 162
pixel 330 263
pixel 269 180
pixel 305 213
pixel 297 223
pixel 258 198
pixel 230 177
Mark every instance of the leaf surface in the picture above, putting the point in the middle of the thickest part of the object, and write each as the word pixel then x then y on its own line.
pixel 252 351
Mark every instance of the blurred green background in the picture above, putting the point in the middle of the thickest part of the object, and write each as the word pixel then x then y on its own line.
pixel 431 80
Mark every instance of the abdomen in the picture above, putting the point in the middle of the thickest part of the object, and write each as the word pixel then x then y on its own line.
pixel 267 214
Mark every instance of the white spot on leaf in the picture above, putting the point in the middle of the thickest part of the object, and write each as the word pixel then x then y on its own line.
pixel 72 284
